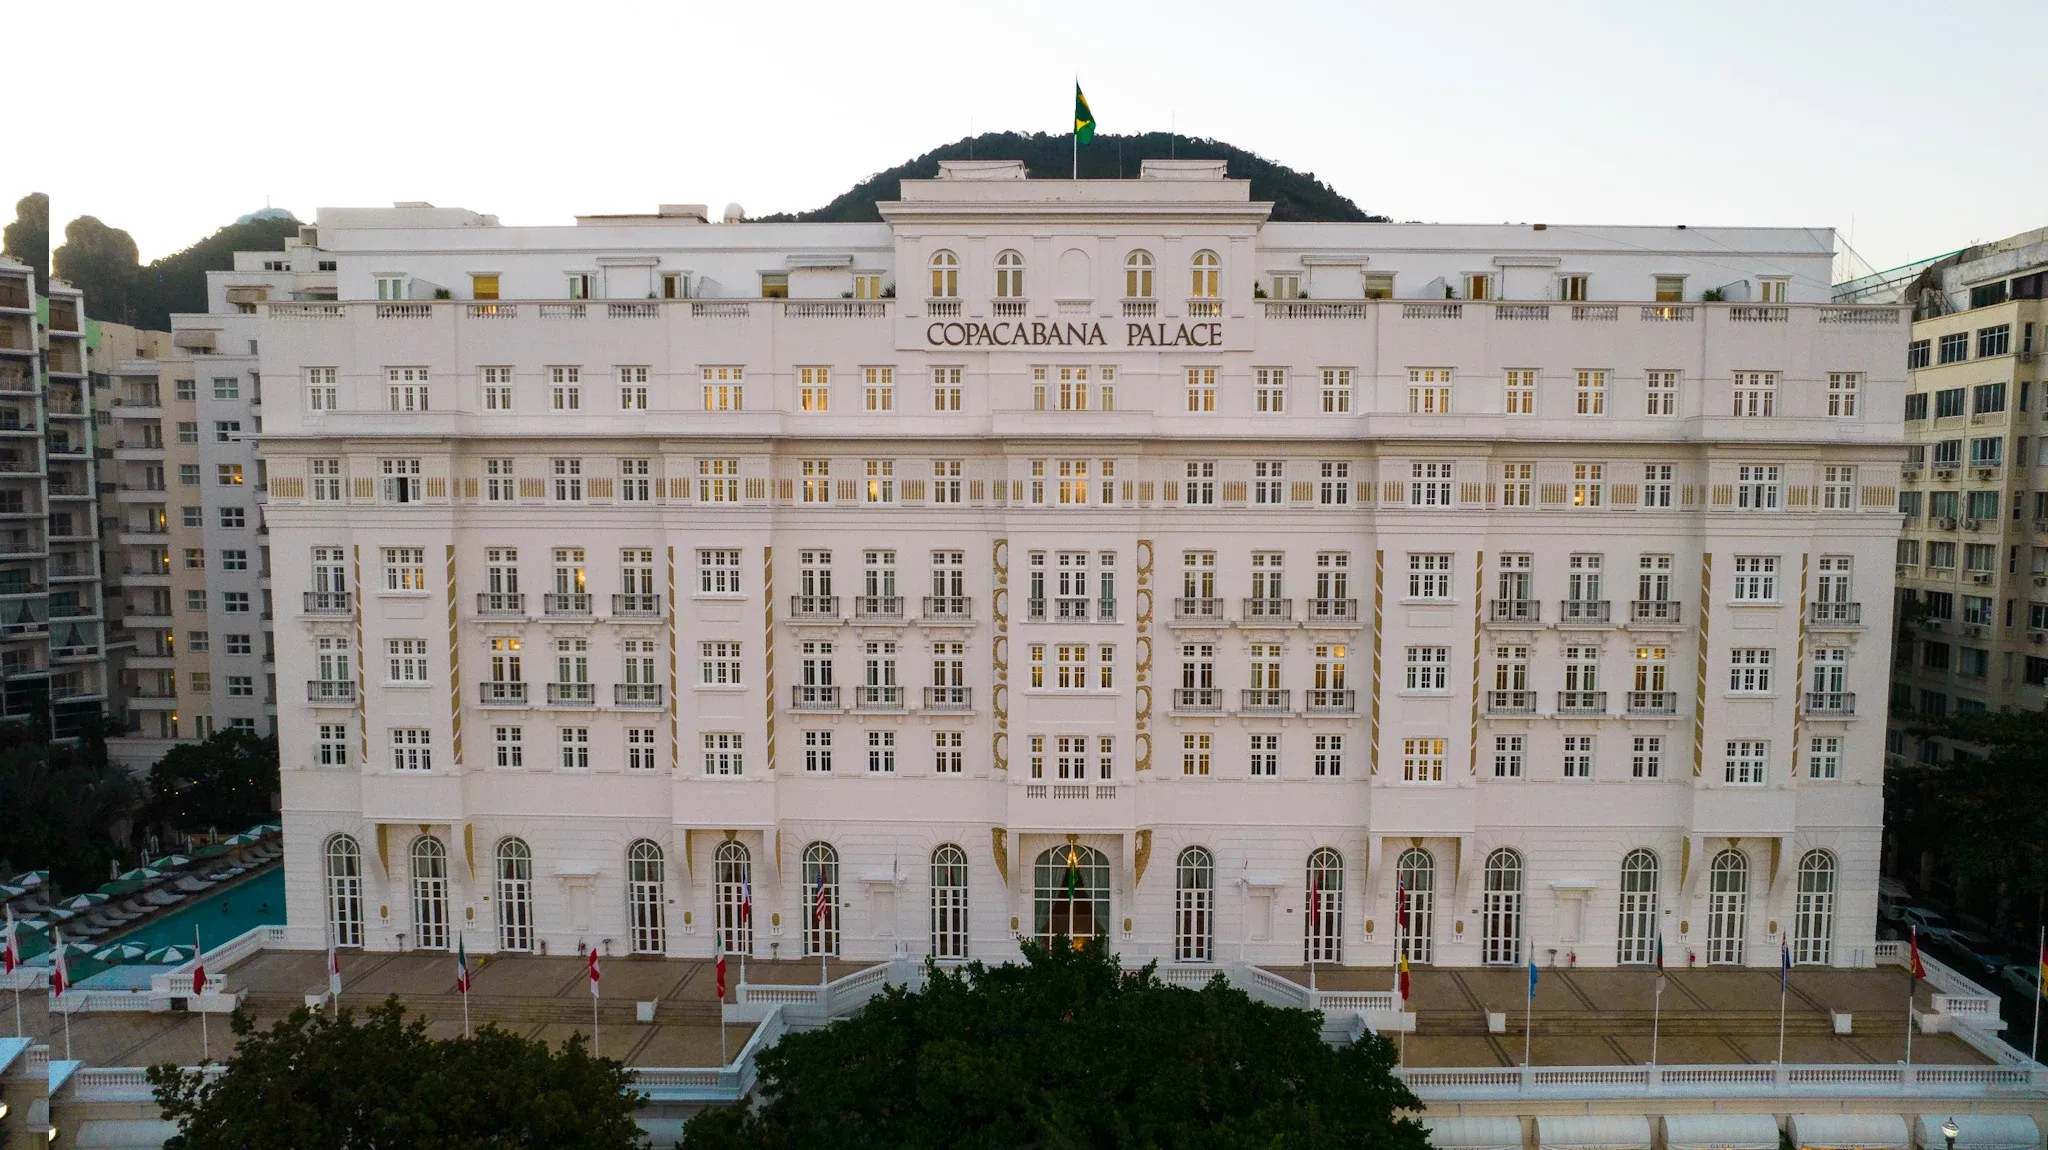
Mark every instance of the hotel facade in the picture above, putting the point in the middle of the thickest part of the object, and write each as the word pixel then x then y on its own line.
pixel 1081 557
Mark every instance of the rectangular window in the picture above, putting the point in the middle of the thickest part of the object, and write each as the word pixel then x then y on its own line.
pixel 1950 402
pixel 1589 393
pixel 1508 756
pixel 635 480
pixel 1429 484
pixel 1589 484
pixel 817 480
pixel 881 752
pixel 568 475
pixel 632 387
pixel 881 481
pixel 1329 755
pixel 405 569
pixel 1269 390
pixel 1429 576
pixel 1994 340
pixel 948 757
pixel 407 661
pixel 1747 762
pixel 1647 759
pixel 1336 391
pixel 1845 390
pixel 1521 391
pixel 818 752
pixel 1269 488
pixel 640 748
pixel 718 571
pixel 1757 486
pixel 1657 486
pixel 1422 761
pixel 1201 389
pixel 407 387
pixel 1824 757
pixel 1265 756
pixel 331 746
pixel 1199 488
pixel 1755 394
pixel 720 663
pixel 1194 754
pixel 1429 391
pixel 1578 756
pixel 1334 489
pixel 229 474
pixel 575 742
pixel 1918 354
pixel 1987 398
pixel 1756 578
pixel 814 389
pixel 1660 393
pixel 1517 484
pixel 723 386
pixel 718 481
pixel 230 387
pixel 321 392
pixel 400 480
pixel 1838 488
pixel 411 749
pixel 1429 670
pixel 234 518
pixel 722 753
pixel 499 486
pixel 878 389
pixel 1749 670
pixel 946 389
pixel 1955 347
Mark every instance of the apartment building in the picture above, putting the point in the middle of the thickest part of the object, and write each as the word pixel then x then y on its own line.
pixel 1070 557
pixel 125 365
pixel 1973 559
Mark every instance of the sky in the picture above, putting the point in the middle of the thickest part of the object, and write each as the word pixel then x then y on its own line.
pixel 1790 112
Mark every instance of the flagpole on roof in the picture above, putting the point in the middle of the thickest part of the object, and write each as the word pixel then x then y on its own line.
pixel 2033 1050
pixel 1077 175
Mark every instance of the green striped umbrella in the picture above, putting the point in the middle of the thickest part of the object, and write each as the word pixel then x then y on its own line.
pixel 168 955
pixel 119 953
pixel 84 901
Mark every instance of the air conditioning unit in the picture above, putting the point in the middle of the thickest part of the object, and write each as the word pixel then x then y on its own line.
pixel 1987 472
pixel 2037 637
pixel 2041 525
pixel 1948 523
pixel 1945 473
pixel 1980 577
pixel 2041 580
pixel 1970 524
pixel 1973 631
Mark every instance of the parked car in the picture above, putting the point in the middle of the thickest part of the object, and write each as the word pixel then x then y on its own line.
pixel 1977 954
pixel 1891 897
pixel 2024 977
pixel 1932 926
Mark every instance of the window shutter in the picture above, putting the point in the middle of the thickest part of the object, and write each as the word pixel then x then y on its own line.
pixel 1881 498
pixel 913 490
pixel 756 488
pixel 1233 491
pixel 437 487
pixel 849 490
pixel 1392 490
pixel 1471 492
pixel 1797 495
pixel 1301 491
pixel 678 489
pixel 1145 491
pixel 287 487
pixel 977 490
pixel 364 488
pixel 1622 494
pixel 1724 495
pixel 1170 490
pixel 533 488
pixel 600 488
pixel 1554 494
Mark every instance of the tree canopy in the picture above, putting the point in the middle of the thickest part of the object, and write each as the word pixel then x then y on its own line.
pixel 1067 1049
pixel 1988 809
pixel 28 237
pixel 224 783
pixel 316 1081
pixel 74 808
pixel 101 262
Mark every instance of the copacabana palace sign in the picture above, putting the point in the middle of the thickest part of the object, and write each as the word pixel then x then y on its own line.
pixel 1038 333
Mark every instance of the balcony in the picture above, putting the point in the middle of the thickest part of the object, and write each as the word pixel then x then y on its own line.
pixel 1523 612
pixel 814 697
pixel 1654 612
pixel 1653 702
pixel 570 605
pixel 1263 701
pixel 1205 307
pixel 1198 610
pixel 571 694
pixel 63 608
pixel 1332 701
pixel 331 691
pixel 501 603
pixel 948 698
pixel 948 609
pixel 1831 704
pixel 1582 612
pixel 1836 614
pixel 1007 308
pixel 501 693
pixel 1582 702
pixel 1198 700
pixel 1511 702
pixel 637 695
pixel 1258 611
pixel 327 603
pixel 878 608
pixel 878 697
pixel 637 606
pixel 1333 612
pixel 1135 308
pixel 814 608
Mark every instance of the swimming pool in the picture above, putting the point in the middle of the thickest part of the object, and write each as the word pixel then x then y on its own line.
pixel 221 915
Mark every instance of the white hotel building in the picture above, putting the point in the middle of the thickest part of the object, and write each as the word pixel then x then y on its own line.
pixel 1244 570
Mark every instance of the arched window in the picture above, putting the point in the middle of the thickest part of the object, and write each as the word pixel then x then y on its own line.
pixel 733 878
pixel 1727 909
pixel 1009 275
pixel 1813 920
pixel 1501 909
pixel 949 902
pixel 1322 938
pixel 945 275
pixel 1414 924
pixel 1194 907
pixel 1138 275
pixel 1070 894
pixel 1205 271
pixel 429 893
pixel 646 896
pixel 344 891
pixel 1636 937
pixel 821 899
pixel 515 895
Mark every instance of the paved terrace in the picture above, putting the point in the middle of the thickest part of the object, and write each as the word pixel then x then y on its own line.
pixel 1582 1017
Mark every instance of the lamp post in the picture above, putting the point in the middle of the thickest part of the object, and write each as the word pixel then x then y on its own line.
pixel 1949 1130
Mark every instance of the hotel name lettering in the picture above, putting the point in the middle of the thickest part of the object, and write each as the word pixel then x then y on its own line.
pixel 1037 333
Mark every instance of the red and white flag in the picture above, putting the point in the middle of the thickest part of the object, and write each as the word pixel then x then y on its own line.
pixel 1315 899
pixel 199 964
pixel 10 955
pixel 60 978
pixel 1919 971
pixel 747 899
pixel 593 972
pixel 461 967
pixel 333 971
pixel 721 974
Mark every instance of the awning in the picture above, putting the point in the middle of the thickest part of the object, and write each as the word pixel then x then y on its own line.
pixel 1979 1131
pixel 1720 1132
pixel 1593 1132
pixel 127 1134
pixel 1474 1133
pixel 1848 1132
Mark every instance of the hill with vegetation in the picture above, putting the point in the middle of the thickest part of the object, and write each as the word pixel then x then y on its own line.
pixel 1296 196
pixel 101 260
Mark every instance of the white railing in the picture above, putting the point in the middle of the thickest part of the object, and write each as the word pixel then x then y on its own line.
pixel 1277 991
pixel 633 310
pixel 561 311
pixel 840 997
pixel 718 309
pixel 1582 1082
pixel 494 311
pixel 1880 315
pixel 124 1083
pixel 835 309
pixel 178 980
pixel 1752 313
pixel 1353 1000
pixel 100 1001
pixel 1316 309
pixel 1432 311
pixel 305 311
pixel 727 1083
pixel 404 310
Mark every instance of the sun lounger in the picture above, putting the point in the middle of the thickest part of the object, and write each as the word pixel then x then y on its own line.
pixel 88 931
pixel 163 897
pixel 191 884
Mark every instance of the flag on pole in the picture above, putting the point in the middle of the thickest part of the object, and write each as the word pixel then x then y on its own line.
pixel 593 973
pixel 721 970
pixel 1404 978
pixel 1784 964
pixel 1315 898
pixel 1660 966
pixel 2040 971
pixel 461 966
pixel 1401 905
pixel 1084 120
pixel 10 957
pixel 199 963
pixel 818 904
pixel 1532 980
pixel 746 900
pixel 60 975
pixel 333 971
pixel 1919 972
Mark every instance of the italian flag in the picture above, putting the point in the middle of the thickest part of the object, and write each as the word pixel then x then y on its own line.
pixel 461 967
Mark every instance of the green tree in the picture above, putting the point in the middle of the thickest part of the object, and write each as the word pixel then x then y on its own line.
pixel 315 1081
pixel 1069 1050
pixel 82 805
pixel 101 262
pixel 225 783
pixel 177 282
pixel 1985 809
pixel 28 237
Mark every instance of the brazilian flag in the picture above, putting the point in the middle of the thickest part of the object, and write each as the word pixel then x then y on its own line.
pixel 1084 120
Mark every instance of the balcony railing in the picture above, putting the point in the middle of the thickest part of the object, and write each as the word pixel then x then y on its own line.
pixel 327 602
pixel 1207 609
pixel 636 694
pixel 1197 699
pixel 1268 610
pixel 1105 610
pixel 1140 308
pixel 1665 611
pixel 501 693
pixel 1582 702
pixel 638 605
pixel 558 603
pixel 1034 610
pixel 1837 614
pixel 1582 611
pixel 814 607
pixel 1204 308
pixel 330 690
pixel 1332 612
pixel 1511 702
pixel 571 695
pixel 500 603
pixel 1514 611
pixel 878 607
pixel 1653 702
pixel 1332 701
pixel 878 697
pixel 1263 700
pixel 948 698
pixel 1836 703
pixel 813 697
pixel 948 608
